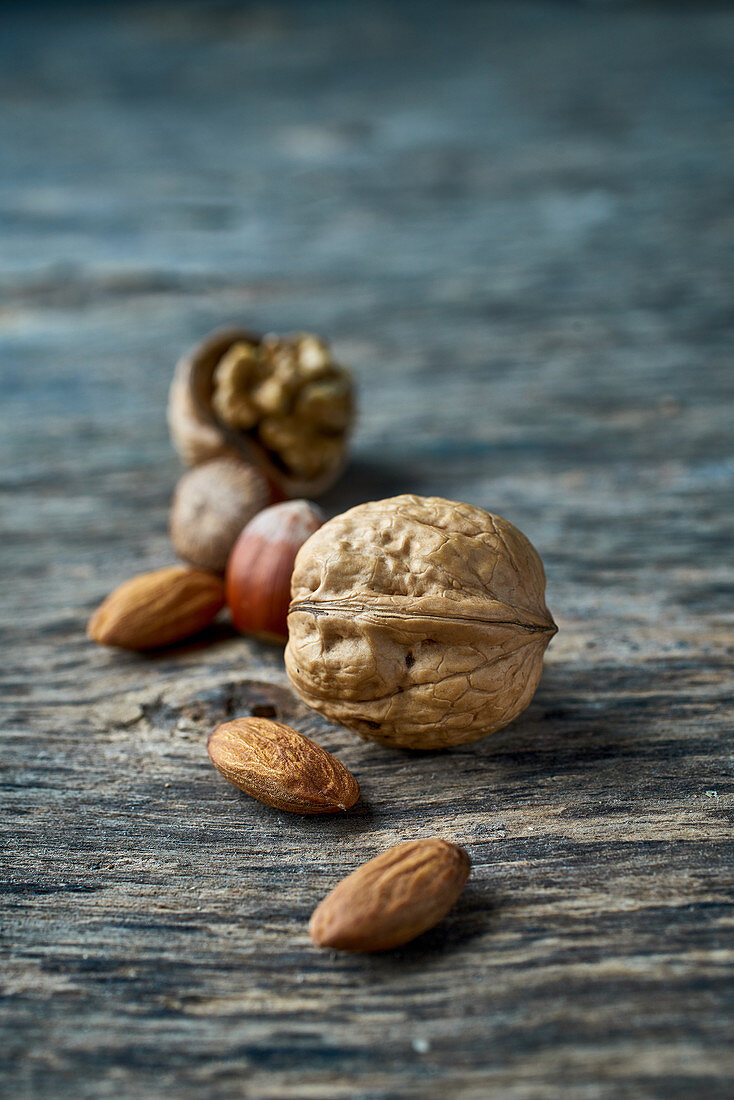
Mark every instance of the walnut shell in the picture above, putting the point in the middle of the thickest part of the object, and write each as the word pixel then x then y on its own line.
pixel 418 622
pixel 270 408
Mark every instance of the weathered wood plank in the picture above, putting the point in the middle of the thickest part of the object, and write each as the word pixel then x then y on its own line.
pixel 515 223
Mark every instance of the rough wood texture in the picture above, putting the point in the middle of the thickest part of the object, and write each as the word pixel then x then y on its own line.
pixel 514 220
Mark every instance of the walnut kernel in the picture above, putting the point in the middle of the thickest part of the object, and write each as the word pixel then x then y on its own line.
pixel 283 402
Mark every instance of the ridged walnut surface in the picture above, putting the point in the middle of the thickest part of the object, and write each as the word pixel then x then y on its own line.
pixel 418 622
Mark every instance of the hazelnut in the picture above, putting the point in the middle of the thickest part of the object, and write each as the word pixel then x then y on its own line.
pixel 211 505
pixel 418 622
pixel 280 401
pixel 259 568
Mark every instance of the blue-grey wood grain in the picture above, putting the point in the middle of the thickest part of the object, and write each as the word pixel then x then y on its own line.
pixel 514 220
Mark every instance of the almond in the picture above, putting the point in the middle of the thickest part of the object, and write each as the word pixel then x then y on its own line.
pixel 158 608
pixel 393 898
pixel 279 766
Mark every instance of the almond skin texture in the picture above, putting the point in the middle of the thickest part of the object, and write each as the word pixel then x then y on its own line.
pixel 393 898
pixel 277 765
pixel 157 609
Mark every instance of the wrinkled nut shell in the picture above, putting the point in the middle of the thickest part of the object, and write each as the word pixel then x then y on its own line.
pixel 157 609
pixel 393 898
pixel 418 622
pixel 281 767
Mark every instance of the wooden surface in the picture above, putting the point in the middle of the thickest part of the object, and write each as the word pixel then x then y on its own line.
pixel 514 221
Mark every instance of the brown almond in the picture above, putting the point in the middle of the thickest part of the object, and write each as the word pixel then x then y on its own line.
pixel 393 898
pixel 158 608
pixel 281 767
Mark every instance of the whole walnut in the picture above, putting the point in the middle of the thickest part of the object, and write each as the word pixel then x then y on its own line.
pixel 418 622
pixel 281 402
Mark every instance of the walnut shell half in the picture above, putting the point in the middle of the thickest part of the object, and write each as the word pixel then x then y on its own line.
pixel 418 622
pixel 280 402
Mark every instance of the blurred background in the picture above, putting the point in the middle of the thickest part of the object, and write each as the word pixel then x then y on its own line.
pixel 504 199
pixel 513 220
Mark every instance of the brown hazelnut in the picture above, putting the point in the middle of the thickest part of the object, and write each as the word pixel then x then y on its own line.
pixel 211 505
pixel 259 569
pixel 281 402
pixel 418 622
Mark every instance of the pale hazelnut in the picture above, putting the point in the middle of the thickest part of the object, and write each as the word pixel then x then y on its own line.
pixel 211 505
